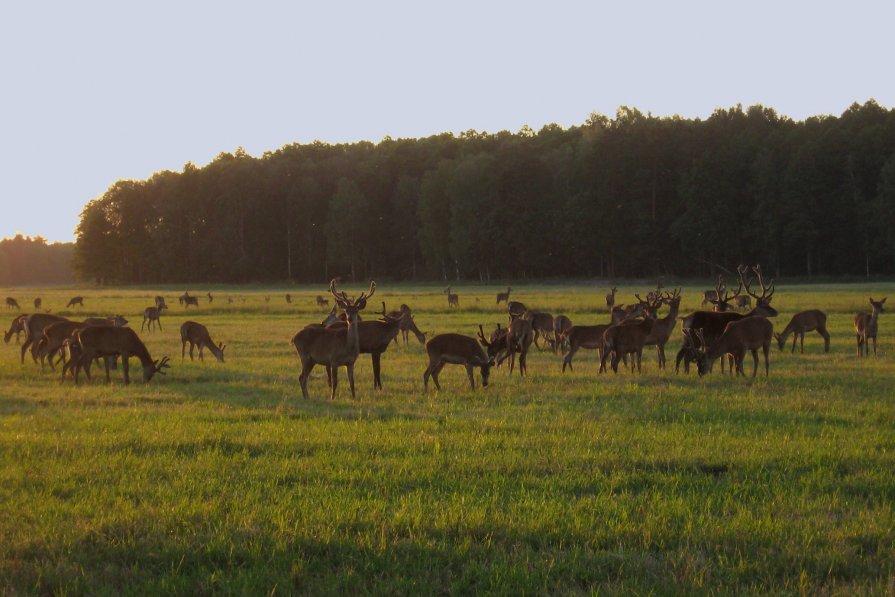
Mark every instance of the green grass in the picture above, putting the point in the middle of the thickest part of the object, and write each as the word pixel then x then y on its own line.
pixel 219 478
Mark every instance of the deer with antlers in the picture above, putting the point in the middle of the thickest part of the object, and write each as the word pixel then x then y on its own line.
pixel 196 334
pixel 713 323
pixel 750 333
pixel 106 341
pixel 52 341
pixel 456 349
pixel 504 296
pixel 453 299
pixel 332 347
pixel 866 326
pixel 516 309
pixel 34 326
pixel 373 339
pixel 629 337
pixel 160 302
pixel 805 321
pixel 518 339
pixel 663 327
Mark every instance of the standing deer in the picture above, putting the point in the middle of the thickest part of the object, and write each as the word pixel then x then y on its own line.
pixel 160 302
pixel 210 298
pixel 37 303
pixel 610 298
pixel 332 347
pixel 663 328
pixel 541 327
pixel 805 321
pixel 866 325
pixel 516 309
pixel 288 298
pixel 99 341
pixel 12 303
pixel 456 349
pixel 196 334
pixel 721 304
pixel 322 302
pixel 504 296
pixel 591 336
pixel 190 300
pixel 750 334
pixel 152 315
pixel 77 300
pixel 561 325
pixel 373 339
pixel 629 337
pixel 34 326
pixel 453 299
pixel 519 338
pixel 744 302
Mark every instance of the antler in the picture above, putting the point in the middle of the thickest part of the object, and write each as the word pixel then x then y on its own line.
pixel 482 336
pixel 365 295
pixel 765 294
pixel 341 297
pixel 162 364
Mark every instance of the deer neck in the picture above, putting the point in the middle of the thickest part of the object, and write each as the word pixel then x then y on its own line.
pixel 352 338
pixel 874 316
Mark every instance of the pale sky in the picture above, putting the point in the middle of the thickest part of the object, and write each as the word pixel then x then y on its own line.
pixel 93 92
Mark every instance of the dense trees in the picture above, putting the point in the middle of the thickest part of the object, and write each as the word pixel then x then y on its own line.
pixel 633 195
pixel 27 261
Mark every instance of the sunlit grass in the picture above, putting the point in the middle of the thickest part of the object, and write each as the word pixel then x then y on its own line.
pixel 220 478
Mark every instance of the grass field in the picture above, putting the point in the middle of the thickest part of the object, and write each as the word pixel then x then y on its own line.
pixel 219 479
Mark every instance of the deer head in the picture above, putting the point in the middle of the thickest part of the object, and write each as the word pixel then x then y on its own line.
pixel 762 302
pixel 351 307
pixel 158 366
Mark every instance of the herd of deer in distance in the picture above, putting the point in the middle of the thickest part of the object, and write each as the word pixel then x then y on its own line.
pixel 724 333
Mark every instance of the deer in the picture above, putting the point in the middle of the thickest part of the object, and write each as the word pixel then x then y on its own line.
pixel 197 334
pixel 332 347
pixel 152 315
pixel 53 341
pixel 453 299
pixel 744 302
pixel 516 309
pixel 713 323
pixel 38 302
pixel 518 339
pixel 750 333
pixel 721 302
pixel 75 300
pixel 496 345
pixel 709 296
pixel 373 338
pixel 107 341
pixel 610 298
pixel 288 298
pixel 160 303
pixel 456 349
pixel 190 300
pixel 405 323
pixel 34 326
pixel 630 336
pixel 116 320
pixel 591 336
pixel 210 298
pixel 804 321
pixel 561 325
pixel 663 328
pixel 16 327
pixel 12 303
pixel 866 326
pixel 504 296
pixel 541 326
pixel 322 302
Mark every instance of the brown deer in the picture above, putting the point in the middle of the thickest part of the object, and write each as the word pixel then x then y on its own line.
pixel 160 303
pixel 152 315
pixel 55 335
pixel 76 300
pixel 561 325
pixel 210 298
pixel 630 336
pixel 805 321
pixel 405 323
pixel 497 344
pixel 518 339
pixel 541 327
pixel 713 323
pixel 37 303
pixel 456 349
pixel 373 338
pixel 16 327
pixel 504 296
pixel 34 326
pixel 744 302
pixel 107 341
pixel 721 304
pixel 116 320
pixel 709 296
pixel 516 309
pixel 332 347
pixel 591 336
pixel 610 298
pixel 663 327
pixel 190 300
pixel 866 326
pixel 12 303
pixel 750 333
pixel 196 334
pixel 322 302
pixel 288 298
pixel 453 299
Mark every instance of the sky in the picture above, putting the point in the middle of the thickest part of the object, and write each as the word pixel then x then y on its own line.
pixel 93 92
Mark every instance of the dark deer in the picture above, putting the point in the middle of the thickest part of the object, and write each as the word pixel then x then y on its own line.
pixel 561 325
pixel 805 321
pixel 160 303
pixel 210 298
pixel 866 325
pixel 34 326
pixel 190 300
pixel 610 298
pixel 518 339
pixel 37 303
pixel 16 327
pixel 197 334
pixel 374 338
pixel 288 298
pixel 102 341
pixel 750 334
pixel 77 300
pixel 663 327
pixel 405 322
pixel 322 302
pixel 516 309
pixel 629 337
pixel 744 302
pixel 591 336
pixel 12 303
pixel 504 296
pixel 332 347
pixel 152 315
pixel 456 349
pixel 541 327
pixel 453 299
pixel 721 304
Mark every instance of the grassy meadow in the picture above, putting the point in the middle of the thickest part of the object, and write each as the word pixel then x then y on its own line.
pixel 220 479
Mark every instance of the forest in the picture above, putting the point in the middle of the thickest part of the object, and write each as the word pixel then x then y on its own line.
pixel 630 196
pixel 26 261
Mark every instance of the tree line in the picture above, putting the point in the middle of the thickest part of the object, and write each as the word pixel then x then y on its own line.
pixel 630 196
pixel 26 261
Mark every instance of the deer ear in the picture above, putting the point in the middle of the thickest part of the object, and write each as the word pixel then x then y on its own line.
pixel 882 300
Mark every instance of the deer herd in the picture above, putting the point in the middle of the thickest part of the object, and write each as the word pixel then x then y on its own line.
pixel 739 323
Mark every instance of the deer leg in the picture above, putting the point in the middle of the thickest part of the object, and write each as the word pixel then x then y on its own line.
pixel 191 349
pixel 350 368
pixel 823 333
pixel 639 356
pixel 568 359
pixel 794 337
pixel 158 322
pixel 767 367
pixel 377 380
pixel 126 366
pixel 523 362
pixel 306 366
pixel 435 371
pixel 874 345
pixel 182 349
pixel 470 376
pixel 201 356
pixel 332 394
pixel 802 342
pixel 395 340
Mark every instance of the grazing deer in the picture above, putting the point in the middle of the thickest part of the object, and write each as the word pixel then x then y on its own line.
pixel 55 336
pixel 152 315
pixel 34 326
pixel 456 349
pixel 519 337
pixel 197 335
pixel 497 344
pixel 12 303
pixel 866 326
pixel 405 323
pixel 709 296
pixel 750 334
pixel 17 327
pixel 76 300
pixel 105 341
pixel 610 298
pixel 160 303
pixel 561 325
pixel 713 323
pixel 504 296
pixel 453 299
pixel 591 336
pixel 190 300
pixel 516 309
pixel 288 298
pixel 37 303
pixel 322 302
pixel 805 321
pixel 744 302
pixel 541 327
pixel 332 347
